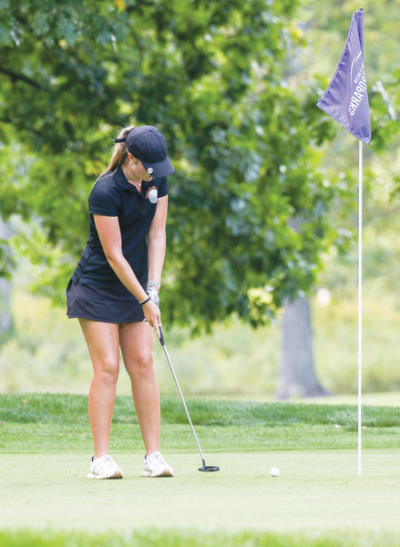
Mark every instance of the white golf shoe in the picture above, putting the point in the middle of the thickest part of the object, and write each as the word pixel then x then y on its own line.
pixel 156 466
pixel 104 468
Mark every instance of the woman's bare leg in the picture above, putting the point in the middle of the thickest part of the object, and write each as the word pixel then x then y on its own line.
pixel 136 341
pixel 103 343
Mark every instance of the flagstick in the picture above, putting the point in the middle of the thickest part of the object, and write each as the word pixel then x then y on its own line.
pixel 360 152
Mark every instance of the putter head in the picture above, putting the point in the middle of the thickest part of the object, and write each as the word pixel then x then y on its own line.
pixel 209 468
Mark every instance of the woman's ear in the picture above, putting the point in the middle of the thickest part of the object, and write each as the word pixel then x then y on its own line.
pixel 132 158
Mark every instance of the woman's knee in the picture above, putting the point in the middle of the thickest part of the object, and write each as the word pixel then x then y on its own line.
pixel 141 363
pixel 107 371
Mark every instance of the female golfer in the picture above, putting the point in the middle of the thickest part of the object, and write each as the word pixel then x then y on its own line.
pixel 114 290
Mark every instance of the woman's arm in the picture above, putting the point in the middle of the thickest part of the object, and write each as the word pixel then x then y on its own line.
pixel 157 240
pixel 110 239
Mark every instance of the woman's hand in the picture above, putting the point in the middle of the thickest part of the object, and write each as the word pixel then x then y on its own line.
pixel 153 316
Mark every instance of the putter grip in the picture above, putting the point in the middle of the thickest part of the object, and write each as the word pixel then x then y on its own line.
pixel 161 338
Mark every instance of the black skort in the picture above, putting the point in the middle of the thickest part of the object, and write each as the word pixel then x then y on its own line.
pixel 105 304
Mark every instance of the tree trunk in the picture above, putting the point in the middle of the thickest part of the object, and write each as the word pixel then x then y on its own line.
pixel 5 289
pixel 297 376
pixel 5 305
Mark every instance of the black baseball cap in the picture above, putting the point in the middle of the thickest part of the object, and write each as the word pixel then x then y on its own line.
pixel 148 144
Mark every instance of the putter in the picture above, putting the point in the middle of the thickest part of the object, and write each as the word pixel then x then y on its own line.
pixel 205 468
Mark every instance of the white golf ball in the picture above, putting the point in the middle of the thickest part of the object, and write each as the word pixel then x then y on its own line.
pixel 274 471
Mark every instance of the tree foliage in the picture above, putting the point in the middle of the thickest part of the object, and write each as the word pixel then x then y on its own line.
pixel 209 75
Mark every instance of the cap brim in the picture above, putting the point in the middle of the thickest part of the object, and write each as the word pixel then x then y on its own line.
pixel 160 169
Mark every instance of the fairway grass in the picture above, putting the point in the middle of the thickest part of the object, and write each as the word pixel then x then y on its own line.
pixel 159 538
pixel 69 408
pixel 58 423
pixel 317 491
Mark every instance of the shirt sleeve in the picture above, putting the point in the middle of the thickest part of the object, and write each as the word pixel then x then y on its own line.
pixel 163 187
pixel 102 201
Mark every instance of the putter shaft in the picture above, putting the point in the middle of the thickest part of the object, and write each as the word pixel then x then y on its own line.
pixel 180 393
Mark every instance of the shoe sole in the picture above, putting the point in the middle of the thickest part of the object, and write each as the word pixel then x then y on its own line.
pixel 117 475
pixel 164 473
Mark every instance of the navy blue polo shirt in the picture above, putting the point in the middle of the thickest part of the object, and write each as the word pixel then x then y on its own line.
pixel 114 196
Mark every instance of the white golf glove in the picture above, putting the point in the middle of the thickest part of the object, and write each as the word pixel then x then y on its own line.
pixel 153 293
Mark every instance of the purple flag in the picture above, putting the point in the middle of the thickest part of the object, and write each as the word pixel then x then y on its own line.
pixel 346 98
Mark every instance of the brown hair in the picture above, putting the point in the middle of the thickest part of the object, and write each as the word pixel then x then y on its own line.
pixel 119 151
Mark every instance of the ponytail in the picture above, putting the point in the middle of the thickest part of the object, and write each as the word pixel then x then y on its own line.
pixel 119 152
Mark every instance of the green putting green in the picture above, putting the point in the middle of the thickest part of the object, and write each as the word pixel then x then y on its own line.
pixel 317 491
pixel 45 447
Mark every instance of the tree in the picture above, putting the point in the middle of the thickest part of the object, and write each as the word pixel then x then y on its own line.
pixel 209 77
